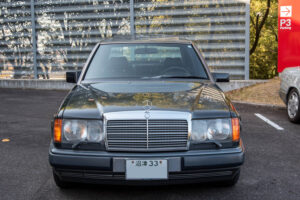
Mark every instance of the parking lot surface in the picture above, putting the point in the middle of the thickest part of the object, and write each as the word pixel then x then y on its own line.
pixel 271 169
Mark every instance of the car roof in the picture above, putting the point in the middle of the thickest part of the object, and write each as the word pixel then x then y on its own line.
pixel 149 40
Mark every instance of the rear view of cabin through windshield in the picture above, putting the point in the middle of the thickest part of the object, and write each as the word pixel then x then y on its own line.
pixel 142 61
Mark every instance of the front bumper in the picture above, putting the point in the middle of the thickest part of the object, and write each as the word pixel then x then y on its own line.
pixel 283 95
pixel 109 167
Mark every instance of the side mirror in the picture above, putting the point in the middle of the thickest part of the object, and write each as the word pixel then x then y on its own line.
pixel 221 77
pixel 72 76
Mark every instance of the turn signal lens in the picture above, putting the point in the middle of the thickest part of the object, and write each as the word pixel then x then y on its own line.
pixel 235 129
pixel 57 130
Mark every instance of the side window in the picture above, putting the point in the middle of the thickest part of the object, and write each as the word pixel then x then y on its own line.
pixel 116 52
pixel 161 54
pixel 121 52
pixel 170 52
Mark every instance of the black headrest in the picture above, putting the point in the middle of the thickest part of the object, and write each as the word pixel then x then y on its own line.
pixel 172 62
pixel 119 61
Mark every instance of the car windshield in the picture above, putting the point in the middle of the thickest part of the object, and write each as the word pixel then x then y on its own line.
pixel 145 61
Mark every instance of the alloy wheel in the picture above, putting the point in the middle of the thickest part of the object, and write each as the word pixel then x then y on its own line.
pixel 293 105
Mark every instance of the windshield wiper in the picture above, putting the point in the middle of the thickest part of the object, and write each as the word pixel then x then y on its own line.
pixel 77 144
pixel 218 144
pixel 170 76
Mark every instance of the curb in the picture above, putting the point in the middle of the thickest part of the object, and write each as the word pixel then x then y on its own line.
pixel 238 84
pixel 63 85
pixel 36 84
pixel 260 105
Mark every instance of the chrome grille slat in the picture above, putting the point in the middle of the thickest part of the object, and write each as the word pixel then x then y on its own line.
pixel 140 135
pixel 127 141
pixel 167 137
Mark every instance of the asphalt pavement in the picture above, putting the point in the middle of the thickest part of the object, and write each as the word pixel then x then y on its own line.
pixel 271 169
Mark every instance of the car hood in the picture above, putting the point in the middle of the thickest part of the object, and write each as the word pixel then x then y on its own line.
pixel 203 100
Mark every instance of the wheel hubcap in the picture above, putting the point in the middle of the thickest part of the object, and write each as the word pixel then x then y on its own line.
pixel 293 105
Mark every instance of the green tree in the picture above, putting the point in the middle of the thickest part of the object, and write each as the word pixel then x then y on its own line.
pixel 263 39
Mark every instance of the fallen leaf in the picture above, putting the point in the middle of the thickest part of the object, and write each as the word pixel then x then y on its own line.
pixel 5 140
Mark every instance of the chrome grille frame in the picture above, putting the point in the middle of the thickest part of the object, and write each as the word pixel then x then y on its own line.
pixel 154 115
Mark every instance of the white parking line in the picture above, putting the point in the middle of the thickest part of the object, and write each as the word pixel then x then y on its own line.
pixel 269 122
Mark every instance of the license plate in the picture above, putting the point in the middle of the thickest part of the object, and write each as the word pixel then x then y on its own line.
pixel 146 169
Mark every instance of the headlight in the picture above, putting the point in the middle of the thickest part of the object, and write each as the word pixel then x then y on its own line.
pixel 82 130
pixel 199 130
pixel 219 129
pixel 95 131
pixel 75 130
pixel 216 129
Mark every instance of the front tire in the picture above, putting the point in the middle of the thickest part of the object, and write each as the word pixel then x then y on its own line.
pixel 231 182
pixel 293 106
pixel 60 183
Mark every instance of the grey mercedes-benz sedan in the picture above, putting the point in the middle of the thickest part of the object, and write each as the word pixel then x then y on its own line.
pixel 146 112
pixel 289 92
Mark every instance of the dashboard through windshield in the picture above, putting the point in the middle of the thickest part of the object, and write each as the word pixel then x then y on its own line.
pixel 145 61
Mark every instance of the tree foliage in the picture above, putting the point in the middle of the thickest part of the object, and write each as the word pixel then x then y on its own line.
pixel 263 60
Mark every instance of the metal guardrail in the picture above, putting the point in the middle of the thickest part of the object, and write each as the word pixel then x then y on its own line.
pixel 43 39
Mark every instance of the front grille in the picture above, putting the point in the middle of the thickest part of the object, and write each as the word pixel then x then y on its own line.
pixel 143 135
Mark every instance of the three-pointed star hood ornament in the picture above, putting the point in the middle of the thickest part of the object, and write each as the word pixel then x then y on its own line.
pixel 147 107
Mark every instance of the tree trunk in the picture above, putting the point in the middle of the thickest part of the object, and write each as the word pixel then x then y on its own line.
pixel 259 26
